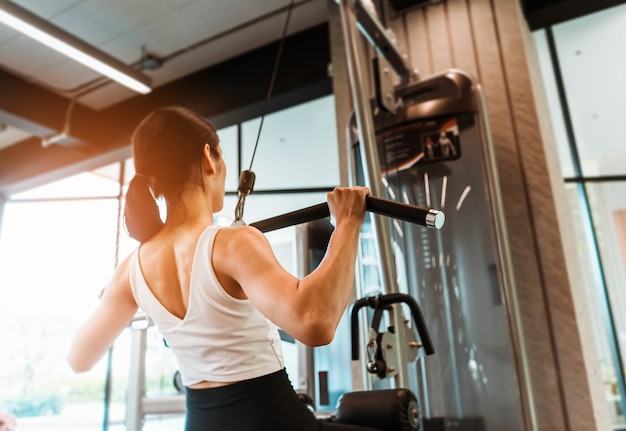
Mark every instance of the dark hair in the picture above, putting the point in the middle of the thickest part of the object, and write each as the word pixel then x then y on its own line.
pixel 167 152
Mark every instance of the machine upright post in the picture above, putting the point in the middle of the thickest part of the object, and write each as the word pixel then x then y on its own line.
pixel 371 163
pixel 136 378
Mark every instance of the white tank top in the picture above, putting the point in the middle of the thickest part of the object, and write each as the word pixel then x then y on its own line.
pixel 221 338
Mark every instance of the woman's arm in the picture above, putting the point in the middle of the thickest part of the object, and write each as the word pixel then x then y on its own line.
pixel 115 311
pixel 308 309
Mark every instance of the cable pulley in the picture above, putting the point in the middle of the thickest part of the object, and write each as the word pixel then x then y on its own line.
pixel 247 177
pixel 246 185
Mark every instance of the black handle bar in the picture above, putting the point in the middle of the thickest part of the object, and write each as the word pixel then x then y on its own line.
pixel 382 302
pixel 426 217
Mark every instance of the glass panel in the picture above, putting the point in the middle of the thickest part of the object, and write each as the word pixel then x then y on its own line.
pixel 610 231
pixel 593 71
pixel 608 203
pixel 126 244
pixel 229 142
pixel 100 182
pixel 129 170
pixel 55 258
pixel 261 207
pixel 554 104
pixel 297 148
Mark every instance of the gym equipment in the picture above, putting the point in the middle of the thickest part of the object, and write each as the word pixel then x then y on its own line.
pixel 435 151
pixel 307 400
pixel 425 217
pixel 427 143
pixel 383 349
pixel 177 381
pixel 246 186
pixel 387 410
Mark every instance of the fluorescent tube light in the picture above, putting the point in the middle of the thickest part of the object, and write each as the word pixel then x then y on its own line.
pixel 41 30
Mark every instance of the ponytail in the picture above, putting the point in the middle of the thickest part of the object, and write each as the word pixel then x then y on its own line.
pixel 141 213
pixel 168 147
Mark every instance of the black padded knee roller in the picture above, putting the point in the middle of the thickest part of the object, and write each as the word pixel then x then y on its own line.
pixel 387 410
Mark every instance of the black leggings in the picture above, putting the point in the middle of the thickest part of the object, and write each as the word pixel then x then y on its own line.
pixel 264 403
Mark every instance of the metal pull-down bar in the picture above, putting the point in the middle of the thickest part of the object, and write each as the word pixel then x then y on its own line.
pixel 414 214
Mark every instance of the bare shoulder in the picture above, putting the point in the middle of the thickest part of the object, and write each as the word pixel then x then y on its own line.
pixel 232 238
pixel 239 247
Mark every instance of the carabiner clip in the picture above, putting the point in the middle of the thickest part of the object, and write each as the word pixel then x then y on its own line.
pixel 246 185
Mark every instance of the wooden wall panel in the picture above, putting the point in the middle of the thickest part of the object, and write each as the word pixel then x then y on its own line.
pixel 438 37
pixel 547 405
pixel 478 46
pixel 583 317
pixel 419 51
pixel 535 160
pixel 398 28
pixel 461 37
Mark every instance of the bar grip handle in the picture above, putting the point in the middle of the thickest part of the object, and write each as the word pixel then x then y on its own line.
pixel 423 216
pixel 382 302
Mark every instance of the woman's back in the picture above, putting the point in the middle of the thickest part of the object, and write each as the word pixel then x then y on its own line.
pixel 166 262
pixel 219 339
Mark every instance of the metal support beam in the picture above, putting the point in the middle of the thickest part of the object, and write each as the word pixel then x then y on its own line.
pixel 382 39
pixel 137 374
pixel 369 155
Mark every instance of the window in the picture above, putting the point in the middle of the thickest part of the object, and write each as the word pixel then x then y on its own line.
pixel 582 74
pixel 298 147
pixel 55 258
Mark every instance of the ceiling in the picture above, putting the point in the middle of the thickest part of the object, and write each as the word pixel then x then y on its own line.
pixel 215 56
pixel 44 94
pixel 545 13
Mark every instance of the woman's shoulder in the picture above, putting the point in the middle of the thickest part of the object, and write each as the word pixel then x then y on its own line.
pixel 240 234
pixel 241 242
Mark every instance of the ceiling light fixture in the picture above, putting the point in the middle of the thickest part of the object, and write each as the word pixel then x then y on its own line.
pixel 41 30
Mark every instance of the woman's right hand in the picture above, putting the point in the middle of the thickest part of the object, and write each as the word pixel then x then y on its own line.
pixel 347 203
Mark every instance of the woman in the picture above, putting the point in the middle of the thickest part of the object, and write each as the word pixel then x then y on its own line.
pixel 218 294
pixel 7 422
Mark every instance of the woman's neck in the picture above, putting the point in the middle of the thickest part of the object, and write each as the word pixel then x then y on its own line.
pixel 193 207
